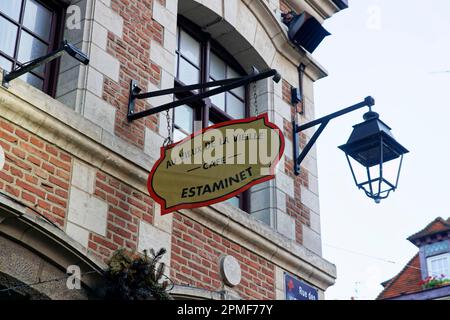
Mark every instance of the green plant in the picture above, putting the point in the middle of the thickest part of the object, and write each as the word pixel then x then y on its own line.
pixel 434 281
pixel 137 277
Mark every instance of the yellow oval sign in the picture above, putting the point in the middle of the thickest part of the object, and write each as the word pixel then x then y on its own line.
pixel 216 164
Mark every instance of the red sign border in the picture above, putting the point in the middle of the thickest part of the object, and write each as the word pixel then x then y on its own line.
pixel 162 202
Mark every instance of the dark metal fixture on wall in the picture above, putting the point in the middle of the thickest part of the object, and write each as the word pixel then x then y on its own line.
pixel 369 150
pixel 304 30
pixel 27 67
pixel 223 86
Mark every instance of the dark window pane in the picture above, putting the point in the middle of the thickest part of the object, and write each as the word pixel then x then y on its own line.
pixel 8 34
pixel 38 19
pixel 217 68
pixel 188 74
pixel 5 64
pixel 33 80
pixel 31 48
pixel 235 107
pixel 190 48
pixel 178 135
pixel 184 118
pixel 11 8
pixel 219 99
pixel 240 92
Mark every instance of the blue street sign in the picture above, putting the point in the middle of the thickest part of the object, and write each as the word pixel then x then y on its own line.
pixel 298 290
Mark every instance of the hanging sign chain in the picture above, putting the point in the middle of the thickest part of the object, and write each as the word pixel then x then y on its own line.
pixel 256 99
pixel 168 139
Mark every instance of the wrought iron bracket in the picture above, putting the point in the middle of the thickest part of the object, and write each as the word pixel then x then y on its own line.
pixel 323 121
pixel 27 67
pixel 223 86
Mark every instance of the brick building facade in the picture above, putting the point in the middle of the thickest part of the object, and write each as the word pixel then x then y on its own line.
pixel 73 185
pixel 427 275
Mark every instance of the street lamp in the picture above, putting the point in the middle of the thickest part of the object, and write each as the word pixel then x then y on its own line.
pixel 371 151
pixel 373 146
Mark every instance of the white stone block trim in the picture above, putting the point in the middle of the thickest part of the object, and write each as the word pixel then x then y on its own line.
pixel 100 112
pixel 95 82
pixel 106 2
pixel 263 44
pixel 281 200
pixel 162 57
pixel 165 17
pixel 99 35
pixel 104 63
pixel 309 199
pixel 285 183
pixel 152 144
pixel 288 148
pixel 313 183
pixel 172 6
pixel 314 219
pixel 279 283
pixel 246 22
pixel 77 233
pixel 310 164
pixel 285 225
pixel 164 222
pixel 83 177
pixel 151 237
pixel 108 18
pixel 87 211
pixel 312 240
pixel 169 41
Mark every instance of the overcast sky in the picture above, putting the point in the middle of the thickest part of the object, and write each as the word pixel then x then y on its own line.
pixel 398 52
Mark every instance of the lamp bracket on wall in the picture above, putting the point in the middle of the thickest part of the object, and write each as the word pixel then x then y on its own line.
pixel 27 67
pixel 223 86
pixel 299 157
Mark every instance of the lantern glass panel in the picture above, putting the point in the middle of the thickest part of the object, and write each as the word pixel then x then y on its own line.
pixel 371 182
pixel 359 171
pixel 391 170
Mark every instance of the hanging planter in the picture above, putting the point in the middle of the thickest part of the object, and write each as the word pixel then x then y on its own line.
pixel 137 277
pixel 434 282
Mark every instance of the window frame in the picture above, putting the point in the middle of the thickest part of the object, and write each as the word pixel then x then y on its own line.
pixel 204 110
pixel 434 258
pixel 51 70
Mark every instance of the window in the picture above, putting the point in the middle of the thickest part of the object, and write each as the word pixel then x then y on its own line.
pixel 438 265
pixel 29 29
pixel 200 59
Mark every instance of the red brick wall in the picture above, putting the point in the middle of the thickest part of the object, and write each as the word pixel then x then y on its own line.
pixel 35 172
pixel 38 174
pixel 126 207
pixel 133 53
pixel 196 252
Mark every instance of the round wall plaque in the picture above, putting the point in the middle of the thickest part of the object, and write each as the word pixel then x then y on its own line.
pixel 231 270
pixel 2 158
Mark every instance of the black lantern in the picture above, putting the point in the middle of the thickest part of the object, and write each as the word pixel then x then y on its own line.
pixel 372 146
